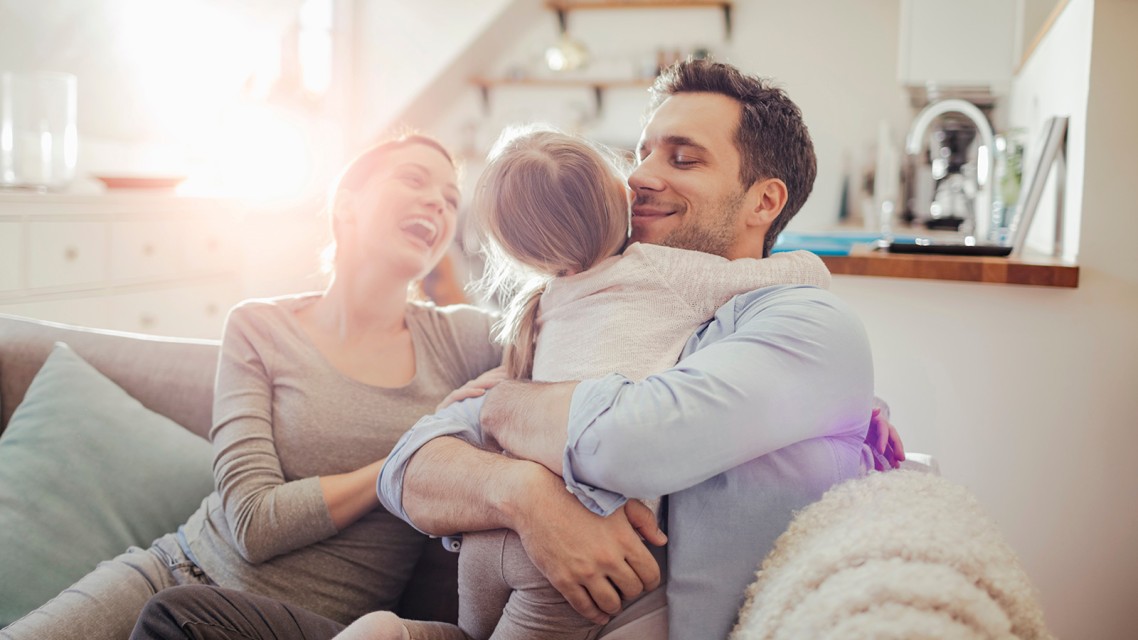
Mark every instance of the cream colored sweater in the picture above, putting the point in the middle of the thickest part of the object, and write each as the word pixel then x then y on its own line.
pixel 633 313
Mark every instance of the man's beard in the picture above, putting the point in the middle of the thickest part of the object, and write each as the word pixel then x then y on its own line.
pixel 715 233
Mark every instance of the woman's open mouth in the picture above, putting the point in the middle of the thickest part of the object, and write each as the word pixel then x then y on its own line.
pixel 423 230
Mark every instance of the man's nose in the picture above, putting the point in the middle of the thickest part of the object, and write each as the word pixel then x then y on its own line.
pixel 645 177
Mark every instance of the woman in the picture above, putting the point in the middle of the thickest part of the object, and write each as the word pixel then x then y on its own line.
pixel 312 392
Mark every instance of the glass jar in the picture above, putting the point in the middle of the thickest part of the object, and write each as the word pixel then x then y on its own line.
pixel 1009 174
pixel 39 141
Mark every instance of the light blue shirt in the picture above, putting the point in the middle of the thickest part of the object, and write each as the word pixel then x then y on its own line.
pixel 766 410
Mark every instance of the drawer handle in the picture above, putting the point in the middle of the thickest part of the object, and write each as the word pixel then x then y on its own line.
pixel 71 254
pixel 211 309
pixel 147 249
pixel 147 321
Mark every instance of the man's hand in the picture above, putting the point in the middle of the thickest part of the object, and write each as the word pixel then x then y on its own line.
pixel 885 442
pixel 594 562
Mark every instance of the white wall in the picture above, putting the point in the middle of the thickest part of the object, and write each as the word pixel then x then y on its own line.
pixel 1027 394
pixel 402 47
pixel 1056 81
pixel 837 60
pixel 1109 222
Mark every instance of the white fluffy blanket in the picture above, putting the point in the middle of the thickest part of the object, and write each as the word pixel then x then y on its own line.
pixel 901 554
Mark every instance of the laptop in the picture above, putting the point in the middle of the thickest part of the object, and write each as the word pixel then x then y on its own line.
pixel 954 247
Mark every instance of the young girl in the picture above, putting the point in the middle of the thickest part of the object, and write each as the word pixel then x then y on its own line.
pixel 552 212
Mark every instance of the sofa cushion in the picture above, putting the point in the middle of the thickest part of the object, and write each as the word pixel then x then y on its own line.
pixel 85 472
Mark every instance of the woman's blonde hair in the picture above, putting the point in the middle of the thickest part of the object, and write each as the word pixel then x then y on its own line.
pixel 548 204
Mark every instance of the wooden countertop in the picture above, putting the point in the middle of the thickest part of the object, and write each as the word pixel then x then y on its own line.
pixel 1028 270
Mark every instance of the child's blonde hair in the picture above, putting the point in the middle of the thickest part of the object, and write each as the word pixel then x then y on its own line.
pixel 548 204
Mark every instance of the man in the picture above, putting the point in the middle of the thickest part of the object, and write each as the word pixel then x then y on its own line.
pixel 767 408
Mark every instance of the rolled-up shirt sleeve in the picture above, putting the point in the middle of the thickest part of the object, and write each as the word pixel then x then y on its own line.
pixel 460 420
pixel 773 367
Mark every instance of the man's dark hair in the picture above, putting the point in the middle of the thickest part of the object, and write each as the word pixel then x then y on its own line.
pixel 772 139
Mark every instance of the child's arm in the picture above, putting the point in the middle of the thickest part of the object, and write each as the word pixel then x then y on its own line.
pixel 707 281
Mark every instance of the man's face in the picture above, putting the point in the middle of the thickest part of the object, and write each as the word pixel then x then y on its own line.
pixel 686 185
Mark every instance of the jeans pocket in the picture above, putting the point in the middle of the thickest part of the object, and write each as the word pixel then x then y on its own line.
pixel 189 573
pixel 184 570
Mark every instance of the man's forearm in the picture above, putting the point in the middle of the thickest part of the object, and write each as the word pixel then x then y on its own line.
pixel 530 420
pixel 451 486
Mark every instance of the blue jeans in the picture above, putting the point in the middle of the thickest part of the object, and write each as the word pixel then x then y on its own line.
pixel 104 604
pixel 212 613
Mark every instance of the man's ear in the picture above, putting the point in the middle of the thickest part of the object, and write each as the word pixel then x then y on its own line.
pixel 769 197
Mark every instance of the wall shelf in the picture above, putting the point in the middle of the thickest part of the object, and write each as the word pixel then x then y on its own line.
pixel 564 7
pixel 1039 271
pixel 598 85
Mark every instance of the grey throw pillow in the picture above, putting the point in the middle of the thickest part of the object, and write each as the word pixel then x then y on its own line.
pixel 86 472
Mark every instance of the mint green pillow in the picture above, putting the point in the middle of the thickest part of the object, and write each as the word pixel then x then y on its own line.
pixel 85 472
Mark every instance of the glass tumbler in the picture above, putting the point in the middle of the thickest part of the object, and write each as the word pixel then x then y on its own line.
pixel 39 141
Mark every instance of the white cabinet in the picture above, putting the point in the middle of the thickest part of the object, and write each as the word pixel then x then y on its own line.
pixel 208 244
pixel 86 312
pixel 192 311
pixel 62 254
pixel 146 263
pixel 10 241
pixel 959 43
pixel 146 249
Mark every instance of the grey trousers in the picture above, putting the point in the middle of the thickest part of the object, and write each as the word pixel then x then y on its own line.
pixel 104 604
pixel 503 596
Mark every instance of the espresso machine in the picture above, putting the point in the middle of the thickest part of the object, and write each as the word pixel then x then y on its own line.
pixel 949 174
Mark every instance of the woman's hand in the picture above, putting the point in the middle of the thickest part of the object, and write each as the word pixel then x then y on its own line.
pixel 474 388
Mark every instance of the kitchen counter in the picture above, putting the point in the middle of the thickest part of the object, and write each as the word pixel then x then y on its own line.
pixel 1029 269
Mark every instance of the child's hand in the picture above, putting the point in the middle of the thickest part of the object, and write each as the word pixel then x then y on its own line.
pixel 885 442
pixel 476 387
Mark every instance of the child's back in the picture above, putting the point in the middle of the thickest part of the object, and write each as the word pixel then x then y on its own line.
pixel 632 314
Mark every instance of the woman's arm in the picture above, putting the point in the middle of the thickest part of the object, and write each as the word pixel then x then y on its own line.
pixel 350 495
pixel 266 515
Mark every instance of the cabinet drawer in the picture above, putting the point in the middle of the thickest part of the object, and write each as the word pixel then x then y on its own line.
pixel 146 250
pixel 186 312
pixel 202 309
pixel 147 312
pixel 10 254
pixel 210 245
pixel 66 253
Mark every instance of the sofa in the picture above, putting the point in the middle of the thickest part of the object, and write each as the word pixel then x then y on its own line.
pixel 901 554
pixel 172 381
